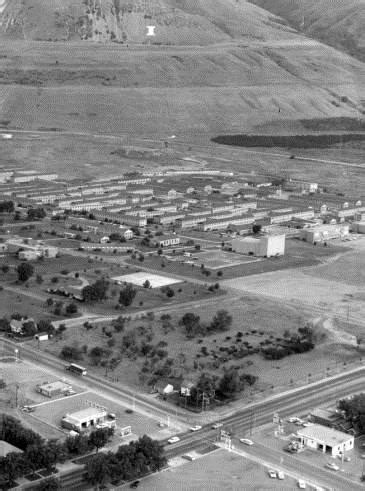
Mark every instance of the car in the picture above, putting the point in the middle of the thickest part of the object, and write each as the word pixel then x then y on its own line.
pixel 306 424
pixel 217 425
pixel 134 484
pixel 332 466
pixel 281 475
pixel 272 474
pixel 246 441
pixel 173 439
pixel 299 422
pixel 28 409
pixel 195 428
pixel 293 419
pixel 301 484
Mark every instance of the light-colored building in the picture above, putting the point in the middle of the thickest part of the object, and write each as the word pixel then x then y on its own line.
pixel 54 388
pixel 262 246
pixel 166 241
pixel 134 221
pixel 322 233
pixel 357 227
pixel 327 440
pixel 80 420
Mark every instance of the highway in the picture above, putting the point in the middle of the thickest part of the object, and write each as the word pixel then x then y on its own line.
pixel 246 419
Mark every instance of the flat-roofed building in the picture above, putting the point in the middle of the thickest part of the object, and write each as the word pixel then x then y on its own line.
pixel 262 246
pixel 327 440
pixel 54 388
pixel 84 418
pixel 322 233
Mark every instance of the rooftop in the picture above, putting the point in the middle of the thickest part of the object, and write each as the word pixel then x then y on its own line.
pixel 324 434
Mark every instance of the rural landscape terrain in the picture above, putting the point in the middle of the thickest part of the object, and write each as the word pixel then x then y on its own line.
pixel 182 241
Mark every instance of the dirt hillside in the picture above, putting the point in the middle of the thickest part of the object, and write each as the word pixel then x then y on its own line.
pixel 339 23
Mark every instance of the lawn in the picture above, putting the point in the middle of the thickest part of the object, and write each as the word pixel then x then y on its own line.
pixel 214 472
pixel 226 265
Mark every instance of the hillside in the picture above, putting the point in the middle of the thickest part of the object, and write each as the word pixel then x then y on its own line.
pixel 222 67
pixel 177 21
pixel 339 23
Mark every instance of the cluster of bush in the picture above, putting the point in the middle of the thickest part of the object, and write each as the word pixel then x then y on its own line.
pixel 292 344
pixel 29 327
pixel 354 409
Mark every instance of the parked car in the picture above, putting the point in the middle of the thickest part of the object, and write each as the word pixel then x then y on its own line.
pixel 135 484
pixel 28 409
pixel 281 475
pixel 307 423
pixel 301 484
pixel 195 428
pixel 173 439
pixel 246 441
pixel 272 474
pixel 332 466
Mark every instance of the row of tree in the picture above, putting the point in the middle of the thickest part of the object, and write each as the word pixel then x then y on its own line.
pixel 129 462
pixel 38 453
pixel 354 409
pixel 193 326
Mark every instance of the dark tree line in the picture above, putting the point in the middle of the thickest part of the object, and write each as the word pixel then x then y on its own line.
pixel 221 322
pixel 129 462
pixel 354 409
pixel 95 292
pixel 38 453
pixel 6 207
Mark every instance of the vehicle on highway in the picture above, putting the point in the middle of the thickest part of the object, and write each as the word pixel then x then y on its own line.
pixel 332 466
pixel 217 425
pixel 135 484
pixel 173 439
pixel 246 441
pixel 79 370
pixel 281 475
pixel 301 484
pixel 28 409
pixel 195 428
pixel 272 474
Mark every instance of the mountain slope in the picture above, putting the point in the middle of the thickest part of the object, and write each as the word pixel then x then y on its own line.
pixel 176 21
pixel 339 23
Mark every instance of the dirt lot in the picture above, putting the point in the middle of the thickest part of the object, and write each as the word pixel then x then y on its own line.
pixel 214 472
pixel 334 288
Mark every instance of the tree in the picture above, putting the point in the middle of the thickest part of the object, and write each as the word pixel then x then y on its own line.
pixel 191 324
pixel 95 292
pixel 5 268
pixel 99 438
pixel 36 214
pixel 147 284
pixel 6 207
pixel 71 353
pixel 355 410
pixel 222 321
pixel 256 228
pixel 25 271
pixel 98 470
pixel 39 279
pixel 29 328
pixel 53 452
pixel 230 383
pixel 127 295
pixel 71 308
pixel 119 324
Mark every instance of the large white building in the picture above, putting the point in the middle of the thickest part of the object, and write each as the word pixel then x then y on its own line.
pixel 327 440
pixel 322 233
pixel 262 246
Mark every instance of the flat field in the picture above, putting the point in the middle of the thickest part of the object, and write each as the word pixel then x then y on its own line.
pixel 214 472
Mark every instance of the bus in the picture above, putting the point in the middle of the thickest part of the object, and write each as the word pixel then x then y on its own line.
pixel 76 369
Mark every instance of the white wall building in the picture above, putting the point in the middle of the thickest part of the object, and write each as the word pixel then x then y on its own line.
pixel 327 440
pixel 322 233
pixel 263 246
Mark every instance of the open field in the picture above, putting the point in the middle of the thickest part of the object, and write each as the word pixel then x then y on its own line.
pixel 11 303
pixel 231 265
pixel 214 472
pixel 334 287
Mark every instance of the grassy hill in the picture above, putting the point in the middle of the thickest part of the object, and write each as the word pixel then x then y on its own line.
pixel 339 23
pixel 125 21
pixel 219 66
